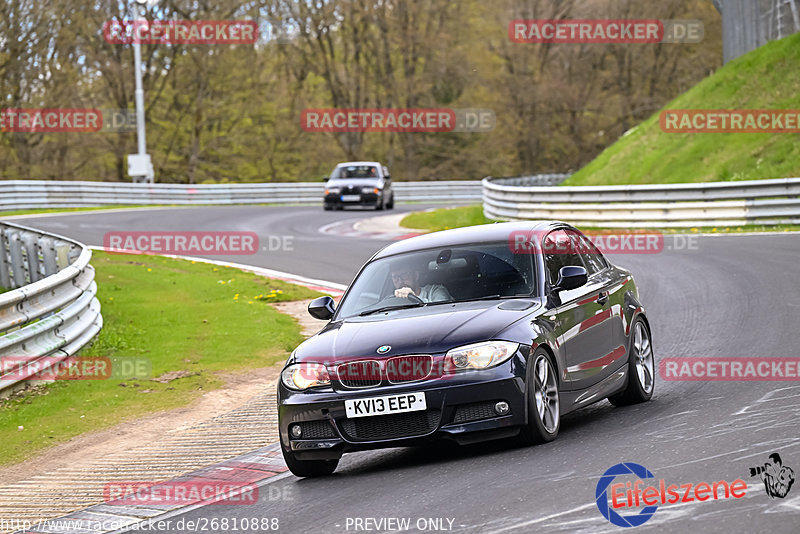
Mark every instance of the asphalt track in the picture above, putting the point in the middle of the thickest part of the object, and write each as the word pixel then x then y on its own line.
pixel 727 296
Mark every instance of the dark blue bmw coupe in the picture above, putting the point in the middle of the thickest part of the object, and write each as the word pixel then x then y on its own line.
pixel 469 334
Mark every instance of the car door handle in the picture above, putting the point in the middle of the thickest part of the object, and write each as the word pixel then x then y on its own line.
pixel 602 298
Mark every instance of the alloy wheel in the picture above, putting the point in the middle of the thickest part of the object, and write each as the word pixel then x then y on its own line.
pixel 643 357
pixel 546 393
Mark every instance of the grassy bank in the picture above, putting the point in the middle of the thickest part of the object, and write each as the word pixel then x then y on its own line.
pixel 192 320
pixel 765 78
pixel 445 218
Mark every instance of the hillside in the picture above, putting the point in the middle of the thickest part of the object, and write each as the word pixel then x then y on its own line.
pixel 766 78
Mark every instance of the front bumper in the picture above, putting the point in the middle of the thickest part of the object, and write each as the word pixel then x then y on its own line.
pixel 459 407
pixel 365 199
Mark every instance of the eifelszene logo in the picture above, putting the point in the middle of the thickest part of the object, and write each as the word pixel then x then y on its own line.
pixel 631 495
pixel 778 478
pixel 601 495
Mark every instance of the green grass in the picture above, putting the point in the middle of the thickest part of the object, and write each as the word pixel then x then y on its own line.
pixel 765 78
pixel 180 316
pixel 447 218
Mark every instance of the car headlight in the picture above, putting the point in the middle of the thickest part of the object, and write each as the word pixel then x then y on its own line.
pixel 332 190
pixel 305 375
pixel 481 355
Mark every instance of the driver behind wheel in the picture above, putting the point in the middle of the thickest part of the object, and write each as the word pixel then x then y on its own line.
pixel 405 277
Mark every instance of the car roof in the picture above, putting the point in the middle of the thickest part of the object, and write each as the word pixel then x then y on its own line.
pixel 485 233
pixel 348 163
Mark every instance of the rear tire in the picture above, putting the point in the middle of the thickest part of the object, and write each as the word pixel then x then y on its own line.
pixel 641 368
pixel 308 468
pixel 390 205
pixel 544 412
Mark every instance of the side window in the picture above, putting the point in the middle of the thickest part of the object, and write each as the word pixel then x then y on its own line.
pixel 386 173
pixel 592 258
pixel 559 251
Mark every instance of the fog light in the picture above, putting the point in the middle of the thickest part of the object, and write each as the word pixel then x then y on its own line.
pixel 296 431
pixel 501 408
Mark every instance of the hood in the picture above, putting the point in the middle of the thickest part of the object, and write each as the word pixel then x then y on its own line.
pixel 413 331
pixel 355 182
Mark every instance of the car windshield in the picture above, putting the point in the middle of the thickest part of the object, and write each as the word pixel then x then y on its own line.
pixel 355 171
pixel 435 276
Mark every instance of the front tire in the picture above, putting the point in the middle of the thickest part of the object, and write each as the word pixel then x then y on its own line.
pixel 544 412
pixel 308 468
pixel 641 368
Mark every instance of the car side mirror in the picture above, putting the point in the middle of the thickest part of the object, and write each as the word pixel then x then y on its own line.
pixel 571 277
pixel 325 178
pixel 322 308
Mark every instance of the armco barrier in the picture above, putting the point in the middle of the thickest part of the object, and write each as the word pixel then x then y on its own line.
pixel 671 205
pixel 31 194
pixel 51 310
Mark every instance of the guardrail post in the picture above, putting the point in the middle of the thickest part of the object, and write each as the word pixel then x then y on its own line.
pixel 62 253
pixel 48 248
pixel 31 243
pixel 5 266
pixel 17 260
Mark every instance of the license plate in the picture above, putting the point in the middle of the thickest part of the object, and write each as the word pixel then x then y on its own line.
pixel 351 198
pixel 407 402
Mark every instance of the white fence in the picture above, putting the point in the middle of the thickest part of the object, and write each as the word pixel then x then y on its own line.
pixel 671 205
pixel 51 310
pixel 31 194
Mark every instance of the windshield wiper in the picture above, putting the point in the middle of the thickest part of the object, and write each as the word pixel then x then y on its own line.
pixel 395 307
pixel 494 297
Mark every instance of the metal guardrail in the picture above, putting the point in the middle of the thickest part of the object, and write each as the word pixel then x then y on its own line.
pixel 532 179
pixel 51 310
pixel 670 205
pixel 748 24
pixel 32 194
